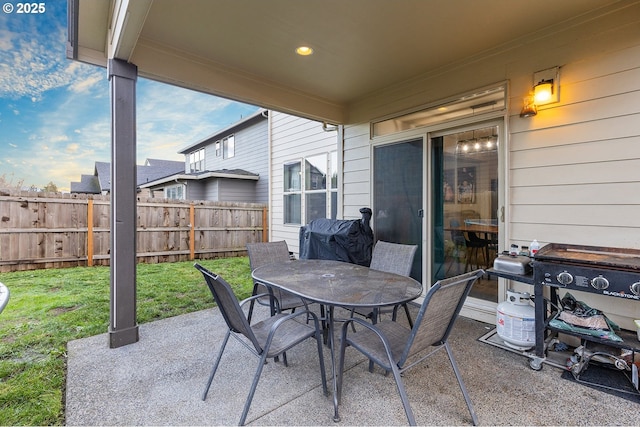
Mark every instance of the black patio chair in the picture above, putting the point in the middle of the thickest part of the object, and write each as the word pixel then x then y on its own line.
pixel 264 253
pixel 391 258
pixel 266 339
pixel 392 345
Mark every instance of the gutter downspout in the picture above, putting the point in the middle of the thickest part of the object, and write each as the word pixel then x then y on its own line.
pixel 269 173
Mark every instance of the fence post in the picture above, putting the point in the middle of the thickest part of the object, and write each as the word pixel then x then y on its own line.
pixel 90 233
pixel 192 232
pixel 265 235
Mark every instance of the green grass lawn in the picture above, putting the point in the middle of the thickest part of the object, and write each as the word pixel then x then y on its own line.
pixel 50 307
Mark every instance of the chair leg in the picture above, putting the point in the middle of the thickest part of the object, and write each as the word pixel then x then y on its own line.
pixel 409 319
pixel 252 303
pixel 467 399
pixel 254 385
pixel 403 393
pixel 343 346
pixel 394 317
pixel 323 374
pixel 215 365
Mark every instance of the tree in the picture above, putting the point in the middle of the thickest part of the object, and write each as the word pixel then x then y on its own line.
pixel 50 188
pixel 7 183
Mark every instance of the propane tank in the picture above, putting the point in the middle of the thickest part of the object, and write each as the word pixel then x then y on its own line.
pixel 515 321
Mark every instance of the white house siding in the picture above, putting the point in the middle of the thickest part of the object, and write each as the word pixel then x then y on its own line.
pixel 292 138
pixel 573 173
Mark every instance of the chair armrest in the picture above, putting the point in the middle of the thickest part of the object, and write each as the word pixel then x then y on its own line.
pixel 367 325
pixel 265 294
pixel 289 317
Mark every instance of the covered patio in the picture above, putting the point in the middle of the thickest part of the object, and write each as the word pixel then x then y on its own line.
pixel 374 61
pixel 159 380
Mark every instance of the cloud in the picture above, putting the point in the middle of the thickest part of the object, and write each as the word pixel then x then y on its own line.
pixel 30 66
pixel 87 83
pixel 72 148
pixel 59 109
pixel 6 39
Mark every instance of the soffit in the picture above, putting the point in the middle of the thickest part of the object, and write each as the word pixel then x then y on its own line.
pixel 360 46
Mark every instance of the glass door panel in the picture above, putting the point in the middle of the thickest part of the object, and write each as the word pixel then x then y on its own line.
pixel 464 175
pixel 397 196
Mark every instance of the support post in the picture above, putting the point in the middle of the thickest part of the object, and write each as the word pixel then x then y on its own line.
pixel 123 327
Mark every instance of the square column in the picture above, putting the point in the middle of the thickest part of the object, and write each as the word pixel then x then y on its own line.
pixel 123 327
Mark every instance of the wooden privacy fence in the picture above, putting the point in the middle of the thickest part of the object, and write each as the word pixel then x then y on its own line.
pixel 51 230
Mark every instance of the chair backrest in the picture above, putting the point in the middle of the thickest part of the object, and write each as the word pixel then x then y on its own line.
pixel 267 253
pixel 229 306
pixel 438 313
pixel 393 257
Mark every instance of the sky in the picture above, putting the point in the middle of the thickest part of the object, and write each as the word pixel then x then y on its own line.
pixel 54 112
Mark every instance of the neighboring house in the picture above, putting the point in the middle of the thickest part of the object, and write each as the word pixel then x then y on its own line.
pixel 100 181
pixel 231 165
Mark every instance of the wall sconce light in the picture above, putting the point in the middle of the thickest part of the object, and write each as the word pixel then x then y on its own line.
pixel 545 91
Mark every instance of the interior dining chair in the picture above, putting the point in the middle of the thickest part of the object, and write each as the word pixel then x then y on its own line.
pixel 459 244
pixel 391 258
pixel 265 339
pixel 392 345
pixel 264 253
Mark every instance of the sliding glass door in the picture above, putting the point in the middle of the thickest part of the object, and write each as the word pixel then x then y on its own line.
pixel 464 177
pixel 398 195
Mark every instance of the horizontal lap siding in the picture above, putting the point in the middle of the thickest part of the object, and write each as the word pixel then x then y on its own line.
pixel 292 139
pixel 357 170
pixel 575 167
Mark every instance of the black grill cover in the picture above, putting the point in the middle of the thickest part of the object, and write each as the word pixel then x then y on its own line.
pixel 339 240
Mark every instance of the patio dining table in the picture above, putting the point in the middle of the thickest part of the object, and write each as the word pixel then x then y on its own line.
pixel 338 284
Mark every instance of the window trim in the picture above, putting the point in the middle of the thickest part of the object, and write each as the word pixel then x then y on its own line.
pixel 197 160
pixel 329 191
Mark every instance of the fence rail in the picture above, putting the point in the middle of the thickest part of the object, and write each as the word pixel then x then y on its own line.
pixel 51 230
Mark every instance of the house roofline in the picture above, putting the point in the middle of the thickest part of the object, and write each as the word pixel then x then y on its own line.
pixel 219 134
pixel 197 177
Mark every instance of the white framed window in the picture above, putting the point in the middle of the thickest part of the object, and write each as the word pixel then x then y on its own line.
pixel 311 187
pixel 196 161
pixel 218 149
pixel 174 192
pixel 292 193
pixel 229 147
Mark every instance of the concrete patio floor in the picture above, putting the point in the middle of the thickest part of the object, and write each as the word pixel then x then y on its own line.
pixel 159 380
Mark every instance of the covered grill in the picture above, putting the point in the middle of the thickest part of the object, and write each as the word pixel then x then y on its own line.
pixel 338 240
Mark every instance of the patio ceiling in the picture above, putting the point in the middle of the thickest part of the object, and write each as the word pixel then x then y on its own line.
pixel 244 49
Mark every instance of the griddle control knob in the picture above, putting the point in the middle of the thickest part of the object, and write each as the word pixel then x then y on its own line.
pixel 564 278
pixel 635 288
pixel 599 283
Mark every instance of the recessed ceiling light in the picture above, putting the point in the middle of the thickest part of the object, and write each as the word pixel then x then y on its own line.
pixel 304 50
